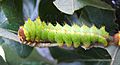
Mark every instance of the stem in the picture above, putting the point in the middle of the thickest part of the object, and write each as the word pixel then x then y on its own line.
pixel 46 45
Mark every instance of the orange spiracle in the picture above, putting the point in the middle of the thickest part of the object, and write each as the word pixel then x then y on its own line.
pixel 21 34
pixel 117 38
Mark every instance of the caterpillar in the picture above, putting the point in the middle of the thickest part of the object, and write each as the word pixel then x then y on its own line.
pixel 38 32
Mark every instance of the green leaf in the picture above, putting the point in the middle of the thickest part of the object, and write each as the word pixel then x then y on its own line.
pixel 70 6
pixel 22 50
pixel 49 13
pixel 12 11
pixel 25 50
pixel 79 54
pixel 2 62
pixel 17 54
pixel 99 17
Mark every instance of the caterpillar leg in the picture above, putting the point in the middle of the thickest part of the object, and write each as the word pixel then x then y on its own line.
pixel 40 45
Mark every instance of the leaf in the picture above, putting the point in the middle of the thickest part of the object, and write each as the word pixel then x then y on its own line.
pixel 99 17
pixel 2 62
pixel 49 13
pixel 22 55
pixel 2 53
pixel 115 54
pixel 12 14
pixel 45 53
pixel 1 40
pixel 6 34
pixel 30 9
pixel 79 54
pixel 111 50
pixel 13 37
pixel 70 6
pixel 116 58
pixel 3 21
pixel 22 50
pixel 71 63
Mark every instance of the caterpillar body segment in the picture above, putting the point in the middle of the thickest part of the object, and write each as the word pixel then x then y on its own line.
pixel 51 33
pixel 32 31
pixel 37 31
pixel 44 34
pixel 59 34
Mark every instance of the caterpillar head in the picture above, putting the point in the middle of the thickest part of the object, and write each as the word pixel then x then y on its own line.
pixel 21 34
pixel 117 38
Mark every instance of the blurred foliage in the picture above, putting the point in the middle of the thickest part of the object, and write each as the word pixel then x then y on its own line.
pixel 70 6
pixel 19 54
pixel 78 54
pixel 2 62
pixel 99 18
pixel 49 13
pixel 12 10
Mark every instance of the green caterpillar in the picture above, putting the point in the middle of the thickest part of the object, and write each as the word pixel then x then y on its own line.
pixel 38 32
